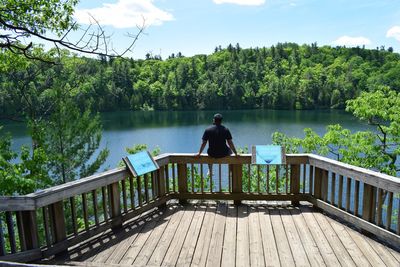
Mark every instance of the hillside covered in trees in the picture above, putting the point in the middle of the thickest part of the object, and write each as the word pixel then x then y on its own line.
pixel 284 76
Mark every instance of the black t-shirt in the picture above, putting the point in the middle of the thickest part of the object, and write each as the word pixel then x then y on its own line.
pixel 216 135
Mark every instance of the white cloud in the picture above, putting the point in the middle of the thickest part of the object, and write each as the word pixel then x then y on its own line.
pixel 351 41
pixel 394 32
pixel 241 2
pixel 124 14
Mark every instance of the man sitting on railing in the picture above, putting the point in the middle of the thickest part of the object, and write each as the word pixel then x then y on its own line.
pixel 217 136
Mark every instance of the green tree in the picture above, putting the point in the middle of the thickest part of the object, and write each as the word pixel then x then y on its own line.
pixel 71 139
pixel 378 149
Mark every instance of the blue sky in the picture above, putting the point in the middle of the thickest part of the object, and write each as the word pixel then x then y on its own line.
pixel 198 26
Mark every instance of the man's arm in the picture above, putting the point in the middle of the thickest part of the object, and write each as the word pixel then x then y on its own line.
pixel 203 145
pixel 232 146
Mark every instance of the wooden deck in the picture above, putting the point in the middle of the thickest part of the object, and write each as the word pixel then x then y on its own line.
pixel 221 234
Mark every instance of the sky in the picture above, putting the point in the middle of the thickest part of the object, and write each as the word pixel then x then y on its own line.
pixel 198 26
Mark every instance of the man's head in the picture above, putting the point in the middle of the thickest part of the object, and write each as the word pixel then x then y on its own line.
pixel 217 119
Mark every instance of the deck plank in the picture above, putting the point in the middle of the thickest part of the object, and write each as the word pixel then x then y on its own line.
pixel 217 237
pixel 186 254
pixel 256 245
pixel 167 236
pixel 123 246
pixel 172 254
pixel 296 246
pixel 140 241
pixel 311 248
pixel 324 247
pixel 368 251
pixel 285 254
pixel 268 238
pixel 341 252
pixel 349 244
pixel 201 250
pixel 242 241
pixel 229 246
pixel 383 252
pixel 157 244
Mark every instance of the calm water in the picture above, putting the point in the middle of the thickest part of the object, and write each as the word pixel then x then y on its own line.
pixel 174 131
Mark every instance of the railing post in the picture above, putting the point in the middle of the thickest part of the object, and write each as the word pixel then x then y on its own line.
pixel 58 224
pixel 369 202
pixel 161 181
pixel 324 185
pixel 115 205
pixel 295 182
pixel 182 181
pixel 317 183
pixel 237 173
pixel 27 226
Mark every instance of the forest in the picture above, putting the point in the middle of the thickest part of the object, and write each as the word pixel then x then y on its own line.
pixel 283 76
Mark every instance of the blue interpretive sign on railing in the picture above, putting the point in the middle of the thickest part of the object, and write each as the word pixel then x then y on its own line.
pixel 268 155
pixel 140 163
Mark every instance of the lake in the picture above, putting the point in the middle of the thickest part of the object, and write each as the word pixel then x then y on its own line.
pixel 181 131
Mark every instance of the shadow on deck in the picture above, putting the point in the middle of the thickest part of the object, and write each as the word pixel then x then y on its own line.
pixel 218 233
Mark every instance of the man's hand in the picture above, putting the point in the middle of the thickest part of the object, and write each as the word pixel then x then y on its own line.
pixel 198 154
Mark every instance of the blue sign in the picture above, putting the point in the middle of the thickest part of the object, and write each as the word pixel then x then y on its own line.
pixel 268 154
pixel 142 163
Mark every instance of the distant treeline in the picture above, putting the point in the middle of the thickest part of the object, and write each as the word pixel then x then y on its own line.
pixel 284 76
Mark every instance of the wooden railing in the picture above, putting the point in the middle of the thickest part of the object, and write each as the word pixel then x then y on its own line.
pixel 47 223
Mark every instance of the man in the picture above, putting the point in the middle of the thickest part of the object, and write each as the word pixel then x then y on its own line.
pixel 217 136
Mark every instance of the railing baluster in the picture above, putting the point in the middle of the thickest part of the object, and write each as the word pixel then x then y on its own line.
pixel 230 170
pixel 220 177
pixel 258 179
pixel 333 188
pixel 287 178
pixel 267 177
pixel 85 211
pixel 348 192
pixel 277 179
pixel 389 211
pixel 167 178
pixel 202 178
pixel 2 240
pixel 104 200
pixel 96 215
pixel 379 208
pixel 146 187
pixel 356 197
pixel 210 170
pixel 46 225
pixel 340 195
pixel 153 188
pixel 132 192
pixel 124 198
pixel 249 180
pixel 398 217
pixel 11 233
pixel 192 174
pixel 311 182
pixel 139 190
pixel 73 215
pixel 173 178
pixel 304 177
pixel 324 185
